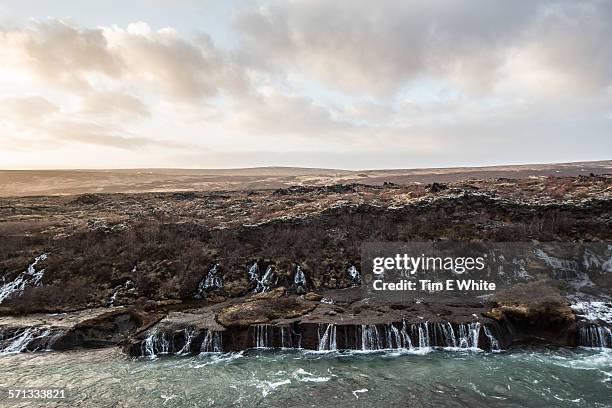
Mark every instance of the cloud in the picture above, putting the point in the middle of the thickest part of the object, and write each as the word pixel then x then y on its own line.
pixel 357 48
pixel 34 118
pixel 186 69
pixel 67 131
pixel 24 110
pixel 113 104
pixel 62 54
pixel 427 80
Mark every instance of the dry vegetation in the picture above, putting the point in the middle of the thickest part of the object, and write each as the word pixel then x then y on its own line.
pixel 165 242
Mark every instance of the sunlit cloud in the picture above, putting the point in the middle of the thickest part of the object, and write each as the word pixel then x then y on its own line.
pixel 435 82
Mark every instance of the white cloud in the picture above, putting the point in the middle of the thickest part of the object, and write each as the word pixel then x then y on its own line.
pixel 427 80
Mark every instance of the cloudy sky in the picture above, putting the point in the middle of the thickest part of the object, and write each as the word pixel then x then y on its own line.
pixel 339 84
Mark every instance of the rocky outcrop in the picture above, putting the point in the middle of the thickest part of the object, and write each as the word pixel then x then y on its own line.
pixel 279 320
pixel 263 311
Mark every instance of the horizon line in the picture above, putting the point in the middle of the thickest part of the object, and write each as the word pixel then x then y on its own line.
pixel 314 168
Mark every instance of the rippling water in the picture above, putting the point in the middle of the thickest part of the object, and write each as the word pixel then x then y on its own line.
pixel 523 378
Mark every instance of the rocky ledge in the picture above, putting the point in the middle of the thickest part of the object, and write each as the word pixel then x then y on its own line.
pixel 332 320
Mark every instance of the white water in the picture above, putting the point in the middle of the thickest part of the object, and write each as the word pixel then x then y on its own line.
pixel 23 340
pixel 265 336
pixel 353 273
pixel 212 342
pixel 565 269
pixel 266 281
pixel 492 340
pixel 299 279
pixel 189 333
pixel 530 378
pixel 156 344
pixel 419 336
pixel 127 285
pixel 327 341
pixel 31 277
pixel 211 281
pixel 370 338
pixel 593 311
pixel 595 336
pixel 262 335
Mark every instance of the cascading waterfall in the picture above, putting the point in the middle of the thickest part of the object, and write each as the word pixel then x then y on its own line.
pixel 31 277
pixel 370 338
pixel 595 336
pixel 327 340
pixel 127 285
pixel 189 334
pixel 265 282
pixel 269 336
pixel 290 339
pixel 299 280
pixel 212 342
pixel 468 335
pixel 262 336
pixel 492 340
pixel 353 273
pixel 25 339
pixel 425 335
pixel 156 344
pixel 254 272
pixel 423 330
pixel 211 281
pixel 443 333
pixel 402 338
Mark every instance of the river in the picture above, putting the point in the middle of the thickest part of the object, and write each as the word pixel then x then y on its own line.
pixel 525 377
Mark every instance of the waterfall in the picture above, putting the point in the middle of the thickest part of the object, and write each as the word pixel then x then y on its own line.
pixel 266 281
pixel 211 281
pixel 21 340
pixel 155 344
pixel 468 335
pixel 444 334
pixel 188 333
pixel 262 336
pixel 290 339
pixel 269 336
pixel 353 273
pixel 52 338
pixel 492 340
pixel 423 330
pixel 370 338
pixel 595 336
pixel 18 342
pixel 327 341
pixel 403 339
pixel 299 279
pixel 254 272
pixel 212 342
pixel 31 277
pixel 127 285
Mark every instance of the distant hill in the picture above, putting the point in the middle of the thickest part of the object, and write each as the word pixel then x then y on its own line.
pixel 59 182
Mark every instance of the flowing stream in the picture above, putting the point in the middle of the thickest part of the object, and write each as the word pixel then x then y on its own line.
pixel 273 378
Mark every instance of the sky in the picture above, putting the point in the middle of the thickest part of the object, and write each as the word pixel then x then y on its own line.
pixel 350 84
